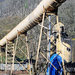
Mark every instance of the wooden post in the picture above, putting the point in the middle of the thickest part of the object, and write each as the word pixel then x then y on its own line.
pixel 39 41
pixel 13 54
pixel 16 43
pixel 28 54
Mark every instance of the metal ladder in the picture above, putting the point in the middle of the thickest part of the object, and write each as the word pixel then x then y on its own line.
pixel 10 54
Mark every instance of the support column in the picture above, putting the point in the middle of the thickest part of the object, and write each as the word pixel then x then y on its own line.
pixel 39 41
pixel 10 54
pixel 29 66
pixel 49 44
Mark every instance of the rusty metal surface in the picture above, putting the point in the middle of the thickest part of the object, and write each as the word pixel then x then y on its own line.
pixel 32 19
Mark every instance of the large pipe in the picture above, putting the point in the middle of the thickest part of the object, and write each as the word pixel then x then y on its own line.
pixel 32 19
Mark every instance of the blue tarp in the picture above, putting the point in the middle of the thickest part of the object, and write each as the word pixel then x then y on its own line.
pixel 56 60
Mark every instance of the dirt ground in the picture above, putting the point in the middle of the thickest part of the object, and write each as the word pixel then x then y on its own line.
pixel 16 73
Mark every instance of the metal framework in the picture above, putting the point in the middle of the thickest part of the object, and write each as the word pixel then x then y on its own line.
pixel 13 48
pixel 20 33
pixel 10 54
pixel 26 54
pixel 40 37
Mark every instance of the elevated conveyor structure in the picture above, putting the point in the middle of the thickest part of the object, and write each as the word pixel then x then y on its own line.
pixel 33 18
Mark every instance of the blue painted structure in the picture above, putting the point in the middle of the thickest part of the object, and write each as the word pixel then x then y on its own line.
pixel 49 40
pixel 56 60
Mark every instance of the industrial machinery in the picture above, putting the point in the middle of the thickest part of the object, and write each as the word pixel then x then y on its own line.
pixel 60 50
pixel 57 47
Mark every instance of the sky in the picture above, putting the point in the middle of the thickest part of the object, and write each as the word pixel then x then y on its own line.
pixel 1 0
